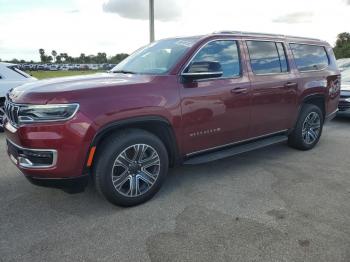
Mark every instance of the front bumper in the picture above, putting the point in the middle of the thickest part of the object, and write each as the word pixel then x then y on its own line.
pixel 69 185
pixel 31 158
pixel 50 150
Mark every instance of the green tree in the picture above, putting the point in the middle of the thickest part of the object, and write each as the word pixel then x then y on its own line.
pixel 54 54
pixel 117 58
pixel 342 47
pixel 42 55
pixel 58 59
pixel 82 58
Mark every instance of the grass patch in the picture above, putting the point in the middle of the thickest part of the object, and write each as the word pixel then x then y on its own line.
pixel 51 74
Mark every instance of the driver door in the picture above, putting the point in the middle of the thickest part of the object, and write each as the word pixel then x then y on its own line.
pixel 215 110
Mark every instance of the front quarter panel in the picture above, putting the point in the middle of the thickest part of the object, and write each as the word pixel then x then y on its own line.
pixel 158 97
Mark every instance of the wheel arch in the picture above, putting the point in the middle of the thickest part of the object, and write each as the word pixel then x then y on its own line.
pixel 159 126
pixel 315 99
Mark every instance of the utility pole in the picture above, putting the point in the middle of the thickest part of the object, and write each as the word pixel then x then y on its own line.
pixel 151 20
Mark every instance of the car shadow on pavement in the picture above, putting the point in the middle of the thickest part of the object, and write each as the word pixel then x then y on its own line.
pixel 180 180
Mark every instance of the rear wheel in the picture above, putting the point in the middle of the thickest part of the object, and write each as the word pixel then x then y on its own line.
pixel 130 167
pixel 308 129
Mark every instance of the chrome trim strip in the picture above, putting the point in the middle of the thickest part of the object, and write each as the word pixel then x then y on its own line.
pixel 234 143
pixel 53 151
pixel 10 127
pixel 332 115
pixel 202 73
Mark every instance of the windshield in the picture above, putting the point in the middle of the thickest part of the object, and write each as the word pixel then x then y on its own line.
pixel 157 58
pixel 14 68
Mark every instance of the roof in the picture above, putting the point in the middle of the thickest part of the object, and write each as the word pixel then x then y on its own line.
pixel 254 34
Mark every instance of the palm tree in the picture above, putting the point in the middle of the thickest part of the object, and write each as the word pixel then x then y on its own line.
pixel 54 54
pixel 42 55
pixel 82 58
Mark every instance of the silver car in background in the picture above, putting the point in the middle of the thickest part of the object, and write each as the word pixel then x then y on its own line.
pixel 10 77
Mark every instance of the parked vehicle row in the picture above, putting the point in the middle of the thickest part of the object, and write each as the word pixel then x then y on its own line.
pixel 57 67
pixel 177 101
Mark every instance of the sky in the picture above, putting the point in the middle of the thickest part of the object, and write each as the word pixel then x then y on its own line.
pixel 121 26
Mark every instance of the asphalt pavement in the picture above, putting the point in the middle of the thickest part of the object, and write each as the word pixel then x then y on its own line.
pixel 274 204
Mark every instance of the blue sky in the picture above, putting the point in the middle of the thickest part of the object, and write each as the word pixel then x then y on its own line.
pixel 116 26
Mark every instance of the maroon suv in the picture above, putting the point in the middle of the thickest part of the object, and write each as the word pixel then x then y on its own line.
pixel 176 101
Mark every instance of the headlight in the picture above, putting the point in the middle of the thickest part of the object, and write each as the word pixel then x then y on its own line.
pixel 46 113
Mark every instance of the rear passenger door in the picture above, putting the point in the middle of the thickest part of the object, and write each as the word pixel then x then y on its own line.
pixel 274 87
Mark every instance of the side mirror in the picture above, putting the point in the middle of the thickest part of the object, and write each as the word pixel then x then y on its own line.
pixel 202 70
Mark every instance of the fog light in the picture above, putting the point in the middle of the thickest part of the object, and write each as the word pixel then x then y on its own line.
pixel 32 158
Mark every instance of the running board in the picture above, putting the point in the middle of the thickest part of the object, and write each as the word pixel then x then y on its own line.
pixel 235 150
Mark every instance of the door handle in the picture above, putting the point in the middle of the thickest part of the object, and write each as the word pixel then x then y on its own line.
pixel 239 90
pixel 290 84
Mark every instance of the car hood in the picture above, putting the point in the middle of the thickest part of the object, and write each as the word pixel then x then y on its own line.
pixel 64 89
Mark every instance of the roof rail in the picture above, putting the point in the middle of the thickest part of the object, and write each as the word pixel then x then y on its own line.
pixel 242 33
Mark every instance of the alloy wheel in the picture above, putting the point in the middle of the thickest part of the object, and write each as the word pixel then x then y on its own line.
pixel 311 128
pixel 2 115
pixel 135 170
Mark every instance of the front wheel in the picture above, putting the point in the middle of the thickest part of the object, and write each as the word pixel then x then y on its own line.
pixel 2 115
pixel 130 167
pixel 308 129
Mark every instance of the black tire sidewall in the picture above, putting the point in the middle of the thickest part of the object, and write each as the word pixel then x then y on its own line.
pixel 306 110
pixel 108 153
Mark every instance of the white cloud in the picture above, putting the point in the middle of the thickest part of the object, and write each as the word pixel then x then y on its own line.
pixel 165 10
pixel 92 30
pixel 295 18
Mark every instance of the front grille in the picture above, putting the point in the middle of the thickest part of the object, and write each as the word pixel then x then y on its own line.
pixel 11 111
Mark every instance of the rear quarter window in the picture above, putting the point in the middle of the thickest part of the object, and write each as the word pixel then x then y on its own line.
pixel 310 57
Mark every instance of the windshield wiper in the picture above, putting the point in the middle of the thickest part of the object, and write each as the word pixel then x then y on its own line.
pixel 123 72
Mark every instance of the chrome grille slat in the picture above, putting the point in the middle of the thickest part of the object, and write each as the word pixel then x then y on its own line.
pixel 11 112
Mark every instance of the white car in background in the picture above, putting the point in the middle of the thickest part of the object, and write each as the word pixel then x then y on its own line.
pixel 10 77
pixel 343 63
pixel 344 101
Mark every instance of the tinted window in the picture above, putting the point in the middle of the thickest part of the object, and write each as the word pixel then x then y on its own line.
pixel 267 57
pixel 309 57
pixel 223 51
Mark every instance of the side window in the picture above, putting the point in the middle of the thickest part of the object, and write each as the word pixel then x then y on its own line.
pixel 267 57
pixel 223 51
pixel 309 57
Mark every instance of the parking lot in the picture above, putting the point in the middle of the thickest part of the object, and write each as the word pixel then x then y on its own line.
pixel 275 204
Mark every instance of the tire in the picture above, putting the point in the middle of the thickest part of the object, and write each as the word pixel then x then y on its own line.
pixel 130 167
pixel 308 128
pixel 2 115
